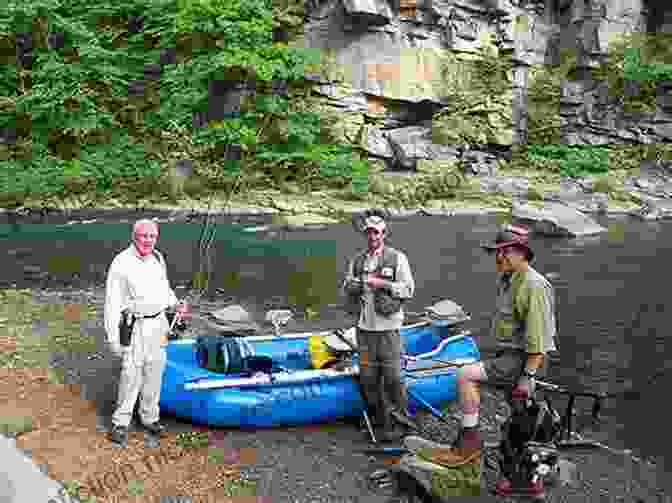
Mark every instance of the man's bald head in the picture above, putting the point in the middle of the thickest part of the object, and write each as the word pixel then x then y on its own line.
pixel 144 223
pixel 145 234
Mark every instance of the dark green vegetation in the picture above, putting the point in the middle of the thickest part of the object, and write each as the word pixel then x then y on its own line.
pixel 106 103
pixel 110 95
pixel 632 70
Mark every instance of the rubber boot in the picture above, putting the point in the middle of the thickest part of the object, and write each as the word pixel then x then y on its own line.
pixel 536 490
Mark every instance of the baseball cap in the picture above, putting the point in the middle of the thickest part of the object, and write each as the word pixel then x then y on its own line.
pixel 374 222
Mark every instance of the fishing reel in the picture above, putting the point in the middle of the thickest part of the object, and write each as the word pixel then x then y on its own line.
pixel 528 450
pixel 178 328
pixel 537 460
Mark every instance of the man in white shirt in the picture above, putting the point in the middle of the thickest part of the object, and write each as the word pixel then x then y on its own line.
pixel 137 288
pixel 378 280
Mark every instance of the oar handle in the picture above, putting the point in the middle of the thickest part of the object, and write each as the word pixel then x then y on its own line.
pixel 172 323
pixel 442 364
pixel 339 333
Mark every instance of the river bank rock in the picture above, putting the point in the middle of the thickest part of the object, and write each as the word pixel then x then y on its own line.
pixel 653 208
pixel 555 219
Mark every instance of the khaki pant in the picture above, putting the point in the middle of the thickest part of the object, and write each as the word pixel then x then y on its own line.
pixel 380 374
pixel 142 369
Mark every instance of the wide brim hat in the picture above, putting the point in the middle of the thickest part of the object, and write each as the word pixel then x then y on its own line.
pixel 510 235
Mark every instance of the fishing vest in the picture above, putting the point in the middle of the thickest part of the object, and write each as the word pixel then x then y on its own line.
pixel 387 264
pixel 387 269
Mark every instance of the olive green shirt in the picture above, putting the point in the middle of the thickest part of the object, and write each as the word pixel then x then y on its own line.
pixel 526 313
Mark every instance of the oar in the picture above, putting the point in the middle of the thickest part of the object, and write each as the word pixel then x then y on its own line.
pixel 413 394
pixel 428 406
pixel 442 364
pixel 389 451
pixel 178 314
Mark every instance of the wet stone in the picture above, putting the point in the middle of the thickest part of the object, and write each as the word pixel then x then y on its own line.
pixel 152 441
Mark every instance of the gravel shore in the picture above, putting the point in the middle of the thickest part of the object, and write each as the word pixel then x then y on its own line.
pixel 324 463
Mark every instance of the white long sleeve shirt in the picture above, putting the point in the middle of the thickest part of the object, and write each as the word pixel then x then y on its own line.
pixel 137 283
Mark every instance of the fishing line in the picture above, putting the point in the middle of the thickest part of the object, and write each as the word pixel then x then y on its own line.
pixel 209 230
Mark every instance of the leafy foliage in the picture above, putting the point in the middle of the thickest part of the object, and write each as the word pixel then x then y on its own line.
pixel 543 95
pixel 108 93
pixel 632 67
pixel 573 160
pixel 479 95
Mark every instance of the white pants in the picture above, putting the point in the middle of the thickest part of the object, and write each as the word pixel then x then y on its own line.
pixel 141 373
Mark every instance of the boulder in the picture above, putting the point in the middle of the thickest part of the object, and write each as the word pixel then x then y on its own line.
pixel 234 320
pixel 479 163
pixel 369 12
pixel 305 221
pixel 415 142
pixel 653 209
pixel 439 481
pixel 376 143
pixel 515 186
pixel 555 219
pixel 586 203
pixel 405 156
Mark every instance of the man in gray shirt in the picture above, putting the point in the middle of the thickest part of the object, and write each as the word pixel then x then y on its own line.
pixel 377 281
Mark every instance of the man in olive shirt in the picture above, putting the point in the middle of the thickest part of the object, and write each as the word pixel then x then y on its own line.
pixel 525 329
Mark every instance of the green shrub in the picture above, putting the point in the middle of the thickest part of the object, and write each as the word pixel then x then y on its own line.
pixel 572 160
pixel 192 439
pixel 15 425
pixel 79 126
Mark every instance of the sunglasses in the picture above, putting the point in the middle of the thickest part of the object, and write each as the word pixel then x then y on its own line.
pixel 497 251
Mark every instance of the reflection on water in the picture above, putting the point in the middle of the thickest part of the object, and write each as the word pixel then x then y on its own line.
pixel 611 289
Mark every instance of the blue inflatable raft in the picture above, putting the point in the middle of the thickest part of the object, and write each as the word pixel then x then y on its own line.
pixel 296 392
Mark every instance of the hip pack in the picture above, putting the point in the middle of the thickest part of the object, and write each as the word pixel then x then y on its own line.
pixel 126 324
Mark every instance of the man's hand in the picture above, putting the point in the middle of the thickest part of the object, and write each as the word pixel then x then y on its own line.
pixel 183 309
pixel 374 281
pixel 353 286
pixel 117 349
pixel 523 389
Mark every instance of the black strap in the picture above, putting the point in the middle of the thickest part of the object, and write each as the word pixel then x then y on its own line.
pixel 543 410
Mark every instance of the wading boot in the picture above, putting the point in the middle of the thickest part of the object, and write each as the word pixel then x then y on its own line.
pixel 119 435
pixel 467 450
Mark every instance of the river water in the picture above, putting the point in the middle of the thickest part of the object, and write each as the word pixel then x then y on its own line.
pixel 613 325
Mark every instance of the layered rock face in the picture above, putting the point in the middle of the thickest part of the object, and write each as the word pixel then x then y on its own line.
pixel 388 80
pixel 589 114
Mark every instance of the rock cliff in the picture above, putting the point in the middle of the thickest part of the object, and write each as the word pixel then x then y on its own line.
pixel 388 75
